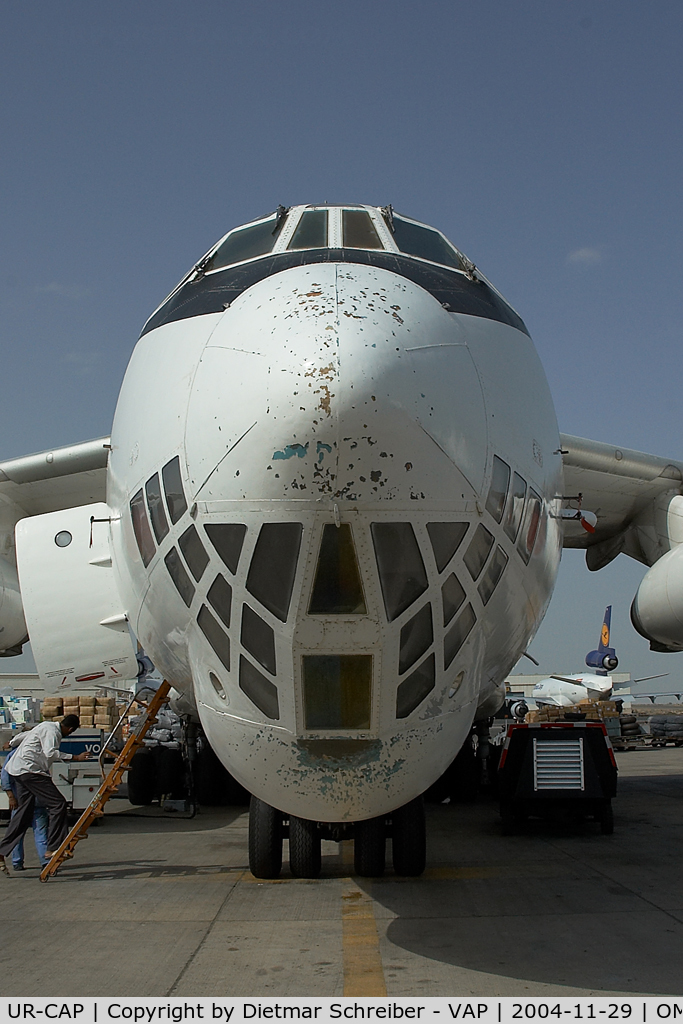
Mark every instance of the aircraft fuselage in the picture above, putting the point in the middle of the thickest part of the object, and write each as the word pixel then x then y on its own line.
pixel 338 573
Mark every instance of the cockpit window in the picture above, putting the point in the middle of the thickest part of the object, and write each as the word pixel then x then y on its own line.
pixel 532 520
pixel 402 572
pixel 245 244
pixel 173 486
pixel 359 231
pixel 500 478
pixel 416 240
pixel 156 508
pixel 273 566
pixel 337 589
pixel 143 534
pixel 311 231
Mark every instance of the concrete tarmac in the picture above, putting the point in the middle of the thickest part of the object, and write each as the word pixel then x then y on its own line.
pixel 157 905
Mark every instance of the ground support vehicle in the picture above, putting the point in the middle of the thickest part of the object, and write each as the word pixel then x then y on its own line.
pixel 557 770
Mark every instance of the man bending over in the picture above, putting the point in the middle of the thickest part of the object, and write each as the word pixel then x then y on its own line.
pixel 30 769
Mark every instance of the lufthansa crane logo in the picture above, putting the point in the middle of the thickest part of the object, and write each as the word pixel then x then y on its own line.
pixel 604 636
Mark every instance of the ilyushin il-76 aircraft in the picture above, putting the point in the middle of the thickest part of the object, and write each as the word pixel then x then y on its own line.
pixel 331 510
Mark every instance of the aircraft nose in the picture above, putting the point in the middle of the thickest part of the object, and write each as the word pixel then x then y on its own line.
pixel 342 381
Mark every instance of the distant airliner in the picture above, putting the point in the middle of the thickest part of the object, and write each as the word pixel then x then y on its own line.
pixel 331 509
pixel 597 685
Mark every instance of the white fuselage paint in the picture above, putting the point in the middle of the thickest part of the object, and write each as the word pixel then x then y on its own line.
pixel 562 693
pixel 335 393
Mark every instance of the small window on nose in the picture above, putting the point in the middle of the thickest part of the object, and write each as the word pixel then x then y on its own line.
pixel 453 598
pixel 258 638
pixel 273 566
pixel 491 577
pixel 513 517
pixel 446 538
pixel 495 503
pixel 220 598
pixel 227 538
pixel 180 576
pixel 156 508
pixel 143 534
pixel 337 589
pixel 173 486
pixel 214 633
pixel 416 637
pixel 532 521
pixel 413 690
pixel 259 690
pixel 402 572
pixel 194 551
pixel 457 634
pixel 478 551
pixel 337 691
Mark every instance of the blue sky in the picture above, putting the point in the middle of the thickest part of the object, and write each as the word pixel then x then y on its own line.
pixel 543 138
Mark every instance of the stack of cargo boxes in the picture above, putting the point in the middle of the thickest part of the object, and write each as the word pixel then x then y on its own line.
pixel 93 712
pixel 590 711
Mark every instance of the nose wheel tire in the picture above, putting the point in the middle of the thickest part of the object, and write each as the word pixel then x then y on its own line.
pixel 369 847
pixel 409 839
pixel 265 839
pixel 304 848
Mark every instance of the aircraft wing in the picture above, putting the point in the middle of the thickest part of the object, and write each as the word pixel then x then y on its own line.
pixel 57 479
pixel 618 484
pixel 653 696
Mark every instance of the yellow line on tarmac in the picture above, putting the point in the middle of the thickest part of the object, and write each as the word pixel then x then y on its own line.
pixel 363 971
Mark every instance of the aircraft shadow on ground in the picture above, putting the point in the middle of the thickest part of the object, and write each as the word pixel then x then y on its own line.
pixel 576 927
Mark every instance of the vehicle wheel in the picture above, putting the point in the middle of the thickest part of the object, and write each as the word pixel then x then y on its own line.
pixel 142 777
pixel 369 848
pixel 607 819
pixel 409 839
pixel 265 839
pixel 304 847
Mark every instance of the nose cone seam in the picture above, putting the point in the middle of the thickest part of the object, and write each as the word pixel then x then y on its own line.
pixel 331 376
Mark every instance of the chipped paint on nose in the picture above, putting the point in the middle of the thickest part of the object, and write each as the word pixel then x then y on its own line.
pixel 356 384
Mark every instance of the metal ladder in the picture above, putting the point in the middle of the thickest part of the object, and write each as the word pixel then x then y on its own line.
pixel 112 781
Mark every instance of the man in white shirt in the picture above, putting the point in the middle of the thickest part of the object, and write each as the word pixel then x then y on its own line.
pixel 30 768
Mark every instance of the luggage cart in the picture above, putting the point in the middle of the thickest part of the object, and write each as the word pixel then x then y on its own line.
pixel 560 768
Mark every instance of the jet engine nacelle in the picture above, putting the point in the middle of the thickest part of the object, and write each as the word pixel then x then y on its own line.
pixel 605 659
pixel 657 609
pixel 12 623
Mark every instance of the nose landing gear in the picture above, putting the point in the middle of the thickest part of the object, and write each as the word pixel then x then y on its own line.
pixel 404 826
pixel 265 839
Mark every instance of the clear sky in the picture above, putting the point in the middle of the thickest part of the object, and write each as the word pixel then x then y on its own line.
pixel 542 136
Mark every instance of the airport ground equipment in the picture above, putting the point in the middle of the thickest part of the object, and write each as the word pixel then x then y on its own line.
pixel 557 768
pixel 112 781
